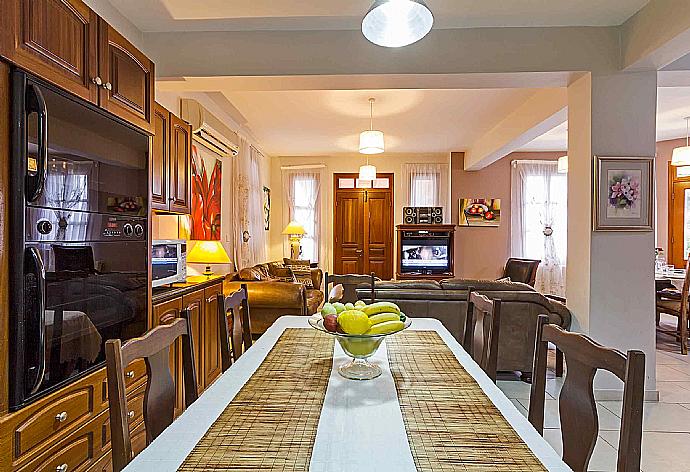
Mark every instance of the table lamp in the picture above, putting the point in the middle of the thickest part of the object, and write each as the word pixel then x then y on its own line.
pixel 294 231
pixel 208 252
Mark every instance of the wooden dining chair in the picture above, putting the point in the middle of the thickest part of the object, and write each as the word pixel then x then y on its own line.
pixel 481 331
pixel 159 398
pixel 235 326
pixel 350 282
pixel 578 409
pixel 675 303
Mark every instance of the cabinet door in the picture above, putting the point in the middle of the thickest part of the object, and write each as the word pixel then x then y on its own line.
pixel 160 158
pixel 55 39
pixel 194 303
pixel 180 165
pixel 212 359
pixel 128 76
pixel 165 313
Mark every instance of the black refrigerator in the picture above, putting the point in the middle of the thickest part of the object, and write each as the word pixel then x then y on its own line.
pixel 78 231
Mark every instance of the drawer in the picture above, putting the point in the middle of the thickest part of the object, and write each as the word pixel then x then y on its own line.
pixel 135 408
pixel 104 464
pixel 63 413
pixel 134 372
pixel 138 439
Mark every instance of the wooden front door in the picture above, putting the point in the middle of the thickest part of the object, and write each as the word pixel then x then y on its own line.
pixel 363 234
pixel 679 216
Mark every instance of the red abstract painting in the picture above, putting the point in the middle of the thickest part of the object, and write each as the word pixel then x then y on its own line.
pixel 206 194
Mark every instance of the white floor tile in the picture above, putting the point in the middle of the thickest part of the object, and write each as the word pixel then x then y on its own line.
pixel 515 389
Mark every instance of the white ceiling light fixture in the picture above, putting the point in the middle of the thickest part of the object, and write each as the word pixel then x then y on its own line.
pixel 371 141
pixel 681 155
pixel 563 165
pixel 397 23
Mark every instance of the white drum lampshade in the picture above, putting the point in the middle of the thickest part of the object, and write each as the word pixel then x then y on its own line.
pixel 563 165
pixel 371 142
pixel 681 155
pixel 367 172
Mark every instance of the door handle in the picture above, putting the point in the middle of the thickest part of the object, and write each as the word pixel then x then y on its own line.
pixel 39 270
pixel 35 103
pixel 359 251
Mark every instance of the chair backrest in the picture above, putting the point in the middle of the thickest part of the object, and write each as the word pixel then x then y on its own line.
pixel 685 292
pixel 350 282
pixel 159 398
pixel 482 330
pixel 578 410
pixel 522 270
pixel 235 326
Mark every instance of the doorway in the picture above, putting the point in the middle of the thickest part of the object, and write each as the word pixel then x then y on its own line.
pixel 678 215
pixel 363 225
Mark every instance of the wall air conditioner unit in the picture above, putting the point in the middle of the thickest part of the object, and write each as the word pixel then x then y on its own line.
pixel 208 130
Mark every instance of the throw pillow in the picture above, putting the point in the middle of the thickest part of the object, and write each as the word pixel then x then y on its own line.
pixel 283 274
pixel 504 279
pixel 302 275
pixel 296 262
pixel 249 274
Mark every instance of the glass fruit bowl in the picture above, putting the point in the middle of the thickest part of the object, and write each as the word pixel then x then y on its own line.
pixel 359 347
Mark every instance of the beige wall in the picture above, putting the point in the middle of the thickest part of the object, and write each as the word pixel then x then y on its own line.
pixel 278 247
pixel 167 226
pixel 482 252
pixel 664 151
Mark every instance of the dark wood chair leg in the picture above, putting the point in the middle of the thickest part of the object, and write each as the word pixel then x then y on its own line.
pixel 559 363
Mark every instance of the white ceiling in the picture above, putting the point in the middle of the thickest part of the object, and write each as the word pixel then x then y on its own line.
pixel 673 104
pixel 169 15
pixel 326 122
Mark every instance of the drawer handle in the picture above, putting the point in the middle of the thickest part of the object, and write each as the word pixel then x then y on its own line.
pixel 61 468
pixel 130 374
pixel 108 86
pixel 211 299
pixel 130 415
pixel 97 80
pixel 61 417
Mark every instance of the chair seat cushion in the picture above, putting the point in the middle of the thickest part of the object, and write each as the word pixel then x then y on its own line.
pixel 672 307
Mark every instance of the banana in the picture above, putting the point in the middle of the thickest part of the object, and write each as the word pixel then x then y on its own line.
pixel 386 327
pixel 381 307
pixel 383 317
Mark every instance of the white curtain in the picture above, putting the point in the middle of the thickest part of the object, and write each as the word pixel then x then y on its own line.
pixel 426 185
pixel 539 211
pixel 302 194
pixel 248 232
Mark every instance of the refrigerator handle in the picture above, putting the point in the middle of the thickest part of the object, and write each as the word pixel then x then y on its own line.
pixel 35 103
pixel 39 270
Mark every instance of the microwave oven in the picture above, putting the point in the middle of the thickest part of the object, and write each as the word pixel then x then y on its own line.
pixel 168 261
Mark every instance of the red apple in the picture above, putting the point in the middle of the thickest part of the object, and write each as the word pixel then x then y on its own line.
pixel 489 215
pixel 330 322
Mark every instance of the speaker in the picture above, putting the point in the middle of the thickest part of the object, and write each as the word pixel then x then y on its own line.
pixel 423 215
pixel 410 215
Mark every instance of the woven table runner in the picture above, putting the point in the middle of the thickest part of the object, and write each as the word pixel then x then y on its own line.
pixel 271 423
pixel 451 424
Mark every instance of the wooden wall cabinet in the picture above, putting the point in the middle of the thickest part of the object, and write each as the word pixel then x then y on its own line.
pixel 171 163
pixel 66 43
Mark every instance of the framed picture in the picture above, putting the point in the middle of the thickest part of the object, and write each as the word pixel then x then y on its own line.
pixel 623 194
pixel 480 212
pixel 267 208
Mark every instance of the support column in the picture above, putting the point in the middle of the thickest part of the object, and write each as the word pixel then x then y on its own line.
pixel 610 275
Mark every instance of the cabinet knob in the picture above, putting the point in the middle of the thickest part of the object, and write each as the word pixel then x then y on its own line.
pixel 130 415
pixel 108 86
pixel 97 80
pixel 61 417
pixel 61 468
pixel 130 374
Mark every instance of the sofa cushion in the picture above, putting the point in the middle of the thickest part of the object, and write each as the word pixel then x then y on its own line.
pixel 407 284
pixel 283 274
pixel 302 275
pixel 485 285
pixel 250 274
pixel 296 262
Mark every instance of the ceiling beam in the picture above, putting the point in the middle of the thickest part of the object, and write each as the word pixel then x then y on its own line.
pixel 452 51
pixel 656 36
pixel 540 113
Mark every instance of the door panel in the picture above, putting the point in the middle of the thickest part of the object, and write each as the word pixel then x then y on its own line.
pixel 166 313
pixel 180 165
pixel 212 360
pixel 363 229
pixel 194 303
pixel 349 232
pixel 160 158
pixel 128 79
pixel 680 223
pixel 55 39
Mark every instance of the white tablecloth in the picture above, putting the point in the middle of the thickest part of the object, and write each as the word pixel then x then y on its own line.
pixel 361 426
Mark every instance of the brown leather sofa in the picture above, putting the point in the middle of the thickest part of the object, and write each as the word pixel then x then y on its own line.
pixel 447 302
pixel 270 299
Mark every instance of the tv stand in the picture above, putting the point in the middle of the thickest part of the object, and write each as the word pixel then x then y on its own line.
pixel 445 234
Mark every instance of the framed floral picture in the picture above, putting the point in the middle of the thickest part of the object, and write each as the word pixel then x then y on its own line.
pixel 623 194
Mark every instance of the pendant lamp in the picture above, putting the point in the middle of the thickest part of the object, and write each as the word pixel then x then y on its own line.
pixel 397 23
pixel 371 141
pixel 681 155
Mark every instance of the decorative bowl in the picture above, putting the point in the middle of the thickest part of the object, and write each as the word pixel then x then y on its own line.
pixel 359 348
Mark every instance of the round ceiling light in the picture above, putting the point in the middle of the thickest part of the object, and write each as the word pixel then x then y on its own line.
pixel 397 23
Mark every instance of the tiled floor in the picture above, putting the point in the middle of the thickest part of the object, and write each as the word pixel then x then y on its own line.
pixel 666 424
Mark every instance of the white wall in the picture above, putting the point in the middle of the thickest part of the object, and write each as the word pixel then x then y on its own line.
pixel 341 163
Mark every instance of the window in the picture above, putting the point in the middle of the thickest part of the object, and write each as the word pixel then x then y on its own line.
pixel 424 190
pixel 304 206
pixel 427 185
pixel 540 220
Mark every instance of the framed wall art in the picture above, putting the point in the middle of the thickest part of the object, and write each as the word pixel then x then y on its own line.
pixel 623 194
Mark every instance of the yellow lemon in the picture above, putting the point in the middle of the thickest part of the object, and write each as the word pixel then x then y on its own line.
pixel 354 322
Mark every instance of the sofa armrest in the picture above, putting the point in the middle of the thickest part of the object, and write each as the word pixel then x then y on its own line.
pixel 268 294
pixel 561 310
pixel 317 278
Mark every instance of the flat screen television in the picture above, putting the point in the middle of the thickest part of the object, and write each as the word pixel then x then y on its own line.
pixel 427 256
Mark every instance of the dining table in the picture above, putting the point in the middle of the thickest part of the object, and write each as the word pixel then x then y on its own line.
pixel 283 406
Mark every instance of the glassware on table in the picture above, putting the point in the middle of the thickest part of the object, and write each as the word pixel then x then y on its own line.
pixel 359 348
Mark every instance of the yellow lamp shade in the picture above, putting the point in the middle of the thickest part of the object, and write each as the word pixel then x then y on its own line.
pixel 208 252
pixel 294 228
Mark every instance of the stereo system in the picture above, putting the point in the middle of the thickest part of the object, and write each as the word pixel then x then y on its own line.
pixel 423 215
